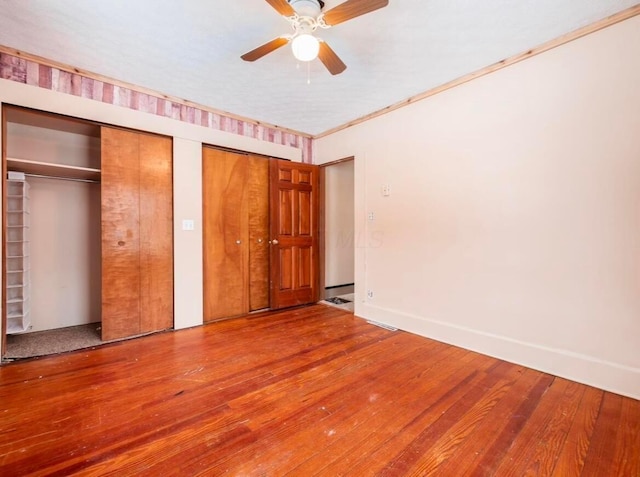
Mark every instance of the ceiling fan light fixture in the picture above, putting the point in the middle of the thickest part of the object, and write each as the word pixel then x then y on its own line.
pixel 305 47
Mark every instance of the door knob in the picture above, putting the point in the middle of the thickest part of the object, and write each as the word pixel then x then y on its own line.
pixel 238 242
pixel 259 240
pixel 274 242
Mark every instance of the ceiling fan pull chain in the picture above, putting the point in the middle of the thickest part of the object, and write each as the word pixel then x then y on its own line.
pixel 308 72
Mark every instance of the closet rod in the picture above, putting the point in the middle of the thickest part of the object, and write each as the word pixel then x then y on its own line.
pixel 73 179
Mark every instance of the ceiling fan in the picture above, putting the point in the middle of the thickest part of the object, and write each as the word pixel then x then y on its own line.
pixel 305 17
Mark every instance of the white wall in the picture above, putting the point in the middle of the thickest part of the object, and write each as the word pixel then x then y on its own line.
pixel 187 259
pixel 65 253
pixel 339 224
pixel 46 144
pixel 513 224
pixel 188 140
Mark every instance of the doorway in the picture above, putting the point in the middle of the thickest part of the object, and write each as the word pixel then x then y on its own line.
pixel 338 232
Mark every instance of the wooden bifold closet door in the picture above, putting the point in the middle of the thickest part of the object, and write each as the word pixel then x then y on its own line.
pixel 258 233
pixel 137 233
pixel 235 227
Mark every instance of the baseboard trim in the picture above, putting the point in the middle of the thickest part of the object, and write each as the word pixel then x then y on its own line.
pixel 339 286
pixel 606 375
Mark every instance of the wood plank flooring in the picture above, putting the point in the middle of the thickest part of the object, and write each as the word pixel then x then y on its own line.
pixel 311 391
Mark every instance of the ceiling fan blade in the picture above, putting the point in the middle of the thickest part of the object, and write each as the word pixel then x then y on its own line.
pixel 282 7
pixel 352 9
pixel 329 59
pixel 259 52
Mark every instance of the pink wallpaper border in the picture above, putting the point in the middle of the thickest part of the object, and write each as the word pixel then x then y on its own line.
pixel 30 72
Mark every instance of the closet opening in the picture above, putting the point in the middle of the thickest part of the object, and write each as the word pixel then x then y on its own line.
pixel 52 261
pixel 88 233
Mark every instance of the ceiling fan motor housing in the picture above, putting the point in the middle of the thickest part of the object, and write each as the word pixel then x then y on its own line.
pixel 306 8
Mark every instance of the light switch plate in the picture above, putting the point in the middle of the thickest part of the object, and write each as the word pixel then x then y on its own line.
pixel 188 224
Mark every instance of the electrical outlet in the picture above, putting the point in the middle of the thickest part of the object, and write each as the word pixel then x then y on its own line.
pixel 371 215
pixel 370 294
pixel 386 190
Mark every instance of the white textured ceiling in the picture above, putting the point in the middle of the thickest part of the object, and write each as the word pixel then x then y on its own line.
pixel 191 49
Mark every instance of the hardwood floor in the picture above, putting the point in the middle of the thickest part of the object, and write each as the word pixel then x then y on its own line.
pixel 311 391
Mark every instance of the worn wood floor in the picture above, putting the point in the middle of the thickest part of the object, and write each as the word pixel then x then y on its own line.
pixel 306 392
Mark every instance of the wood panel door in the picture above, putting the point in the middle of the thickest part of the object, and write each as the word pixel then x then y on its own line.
pixel 294 233
pixel 156 232
pixel 137 233
pixel 258 233
pixel 225 233
pixel 120 179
